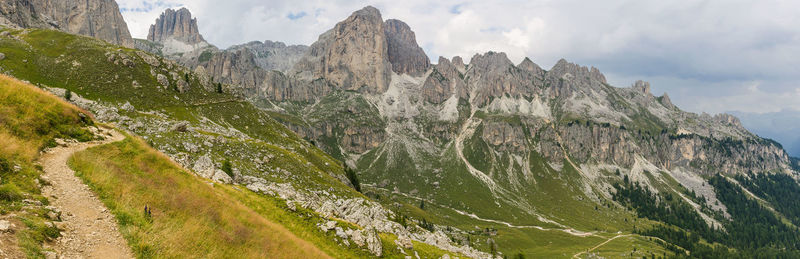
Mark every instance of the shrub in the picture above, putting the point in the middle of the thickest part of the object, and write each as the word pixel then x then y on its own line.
pixel 351 175
pixel 4 165
pixel 227 168
pixel 10 192
pixel 68 95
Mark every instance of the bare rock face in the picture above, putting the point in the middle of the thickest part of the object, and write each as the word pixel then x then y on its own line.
pixel 496 76
pixel 353 55
pixel 404 53
pixel 642 86
pixel 667 102
pixel 273 55
pixel 175 34
pixel 444 81
pixel 177 25
pixel 567 78
pixel 531 67
pixel 94 18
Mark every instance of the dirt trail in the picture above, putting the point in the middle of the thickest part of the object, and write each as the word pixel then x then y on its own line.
pixel 601 244
pixel 90 231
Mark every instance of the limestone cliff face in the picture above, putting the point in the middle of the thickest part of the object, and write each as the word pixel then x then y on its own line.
pixel 492 75
pixel 404 53
pixel 444 81
pixel 353 55
pixel 235 68
pixel 589 142
pixel 273 55
pixel 177 25
pixel 567 78
pixel 175 34
pixel 94 18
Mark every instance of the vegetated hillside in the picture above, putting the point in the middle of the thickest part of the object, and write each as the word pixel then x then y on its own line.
pixel 194 217
pixel 30 121
pixel 214 133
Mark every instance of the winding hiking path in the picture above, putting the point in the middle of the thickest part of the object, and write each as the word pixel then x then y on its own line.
pixel 601 244
pixel 90 231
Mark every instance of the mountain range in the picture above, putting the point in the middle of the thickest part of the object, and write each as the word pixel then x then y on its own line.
pixel 479 157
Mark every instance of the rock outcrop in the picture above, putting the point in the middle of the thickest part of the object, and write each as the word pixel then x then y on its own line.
pixel 94 18
pixel 178 25
pixel 175 33
pixel 352 56
pixel 443 82
pixel 404 53
pixel 273 55
pixel 496 77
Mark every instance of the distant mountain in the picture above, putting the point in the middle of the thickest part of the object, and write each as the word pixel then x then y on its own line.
pixel 175 34
pixel 783 126
pixel 492 142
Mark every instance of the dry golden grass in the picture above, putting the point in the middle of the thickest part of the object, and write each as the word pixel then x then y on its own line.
pixel 30 116
pixel 30 119
pixel 190 217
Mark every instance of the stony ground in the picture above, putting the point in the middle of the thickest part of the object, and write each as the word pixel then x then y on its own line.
pixel 89 229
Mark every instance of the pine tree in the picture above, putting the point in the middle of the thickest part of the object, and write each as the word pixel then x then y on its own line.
pixel 68 95
pixel 227 168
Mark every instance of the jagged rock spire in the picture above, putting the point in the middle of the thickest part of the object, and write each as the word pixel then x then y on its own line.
pixel 178 25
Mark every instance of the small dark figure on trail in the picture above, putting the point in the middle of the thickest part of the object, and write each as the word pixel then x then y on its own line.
pixel 147 212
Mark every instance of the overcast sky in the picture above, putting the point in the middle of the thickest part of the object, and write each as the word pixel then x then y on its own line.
pixel 710 56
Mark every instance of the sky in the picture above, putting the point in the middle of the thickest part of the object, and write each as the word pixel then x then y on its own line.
pixel 709 56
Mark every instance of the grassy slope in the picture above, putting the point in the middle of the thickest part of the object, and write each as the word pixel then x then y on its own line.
pixel 29 121
pixel 190 217
pixel 231 221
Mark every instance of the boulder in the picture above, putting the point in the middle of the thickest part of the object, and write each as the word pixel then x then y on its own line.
pixel 163 80
pixel 6 226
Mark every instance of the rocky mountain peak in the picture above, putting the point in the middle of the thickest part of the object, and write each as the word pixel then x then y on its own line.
pixel 178 25
pixel 457 61
pixel 100 19
pixel 491 61
pixel 368 13
pixel 528 65
pixel 563 68
pixel 667 102
pixel 351 56
pixel 642 87
pixel 404 53
pixel 728 119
